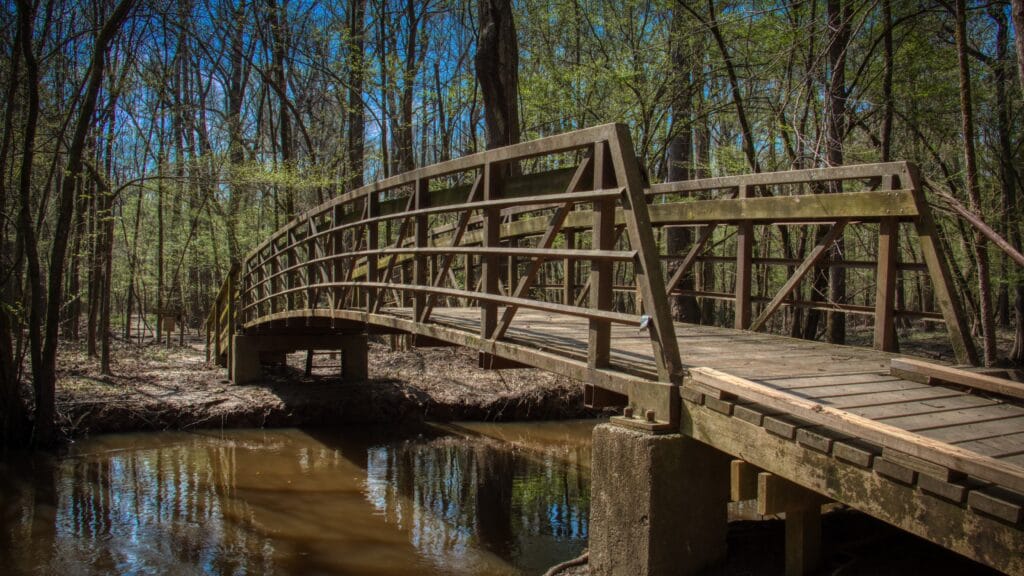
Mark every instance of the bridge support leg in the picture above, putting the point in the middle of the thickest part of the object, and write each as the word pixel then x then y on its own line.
pixel 354 360
pixel 245 359
pixel 658 503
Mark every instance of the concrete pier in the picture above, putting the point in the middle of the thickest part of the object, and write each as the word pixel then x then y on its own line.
pixel 658 503
pixel 251 351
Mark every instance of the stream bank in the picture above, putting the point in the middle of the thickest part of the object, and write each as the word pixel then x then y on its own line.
pixel 156 387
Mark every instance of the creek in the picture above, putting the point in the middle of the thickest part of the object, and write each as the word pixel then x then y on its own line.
pixel 454 499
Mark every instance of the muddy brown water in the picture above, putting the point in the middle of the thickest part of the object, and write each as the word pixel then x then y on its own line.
pixel 466 499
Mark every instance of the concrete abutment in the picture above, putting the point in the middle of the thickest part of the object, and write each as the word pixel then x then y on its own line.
pixel 658 503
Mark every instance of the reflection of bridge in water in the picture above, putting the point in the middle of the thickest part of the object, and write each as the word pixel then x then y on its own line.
pixel 546 254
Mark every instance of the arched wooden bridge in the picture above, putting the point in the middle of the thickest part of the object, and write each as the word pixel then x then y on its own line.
pixel 549 254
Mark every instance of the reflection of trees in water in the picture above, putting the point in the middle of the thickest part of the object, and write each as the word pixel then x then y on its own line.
pixel 170 502
pixel 110 513
pixel 452 492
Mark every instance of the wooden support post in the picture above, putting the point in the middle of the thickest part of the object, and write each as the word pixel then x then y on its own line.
pixel 802 507
pixel 942 280
pixel 489 264
pixel 743 481
pixel 602 238
pixel 650 279
pixel 885 289
pixel 230 304
pixel 744 271
pixel 337 249
pixel 569 270
pixel 372 243
pixel 419 264
pixel 291 277
pixel 470 276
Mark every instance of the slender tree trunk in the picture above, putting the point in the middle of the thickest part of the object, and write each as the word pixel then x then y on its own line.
pixel 887 73
pixel 356 110
pixel 839 32
pixel 278 25
pixel 973 189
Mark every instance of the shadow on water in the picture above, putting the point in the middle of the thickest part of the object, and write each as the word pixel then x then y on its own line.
pixel 494 499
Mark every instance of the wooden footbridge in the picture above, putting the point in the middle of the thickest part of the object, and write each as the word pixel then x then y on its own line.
pixel 550 254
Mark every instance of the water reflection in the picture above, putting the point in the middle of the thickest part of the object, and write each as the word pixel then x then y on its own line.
pixel 299 502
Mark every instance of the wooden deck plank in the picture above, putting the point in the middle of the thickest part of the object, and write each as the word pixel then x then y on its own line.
pixel 976 431
pixel 997 446
pixel 960 417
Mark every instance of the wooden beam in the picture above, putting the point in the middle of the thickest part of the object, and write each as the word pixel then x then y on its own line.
pixel 489 265
pixel 949 524
pixel 743 481
pixel 815 207
pixel 885 285
pixel 930 373
pixel 602 229
pixel 807 176
pixel 647 270
pixel 887 436
pixel 744 271
pixel 942 280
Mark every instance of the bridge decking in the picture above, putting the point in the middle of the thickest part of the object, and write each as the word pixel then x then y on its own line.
pixel 856 380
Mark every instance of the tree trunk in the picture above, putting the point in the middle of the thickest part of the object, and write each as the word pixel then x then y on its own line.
pixel 973 190
pixel 839 33
pixel 497 70
pixel 356 111
pixel 1017 10
pixel 678 166
pixel 45 372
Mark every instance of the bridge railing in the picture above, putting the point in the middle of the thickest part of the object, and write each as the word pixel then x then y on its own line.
pixel 222 320
pixel 446 235
pixel 868 219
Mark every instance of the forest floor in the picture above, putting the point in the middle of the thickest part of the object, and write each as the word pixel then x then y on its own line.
pixel 159 387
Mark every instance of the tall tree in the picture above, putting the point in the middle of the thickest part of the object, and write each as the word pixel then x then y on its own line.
pixel 356 110
pixel 44 371
pixel 497 70
pixel 679 160
pixel 987 319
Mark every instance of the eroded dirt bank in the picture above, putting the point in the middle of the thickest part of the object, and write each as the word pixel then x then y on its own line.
pixel 156 387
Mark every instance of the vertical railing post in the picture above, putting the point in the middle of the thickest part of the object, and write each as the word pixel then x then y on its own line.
pixel 419 263
pixel 337 248
pixel 942 281
pixel 569 270
pixel 372 243
pixel 275 279
pixel 229 294
pixel 602 238
pixel 291 277
pixel 648 272
pixel 885 289
pixel 744 271
pixel 489 265
pixel 310 242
